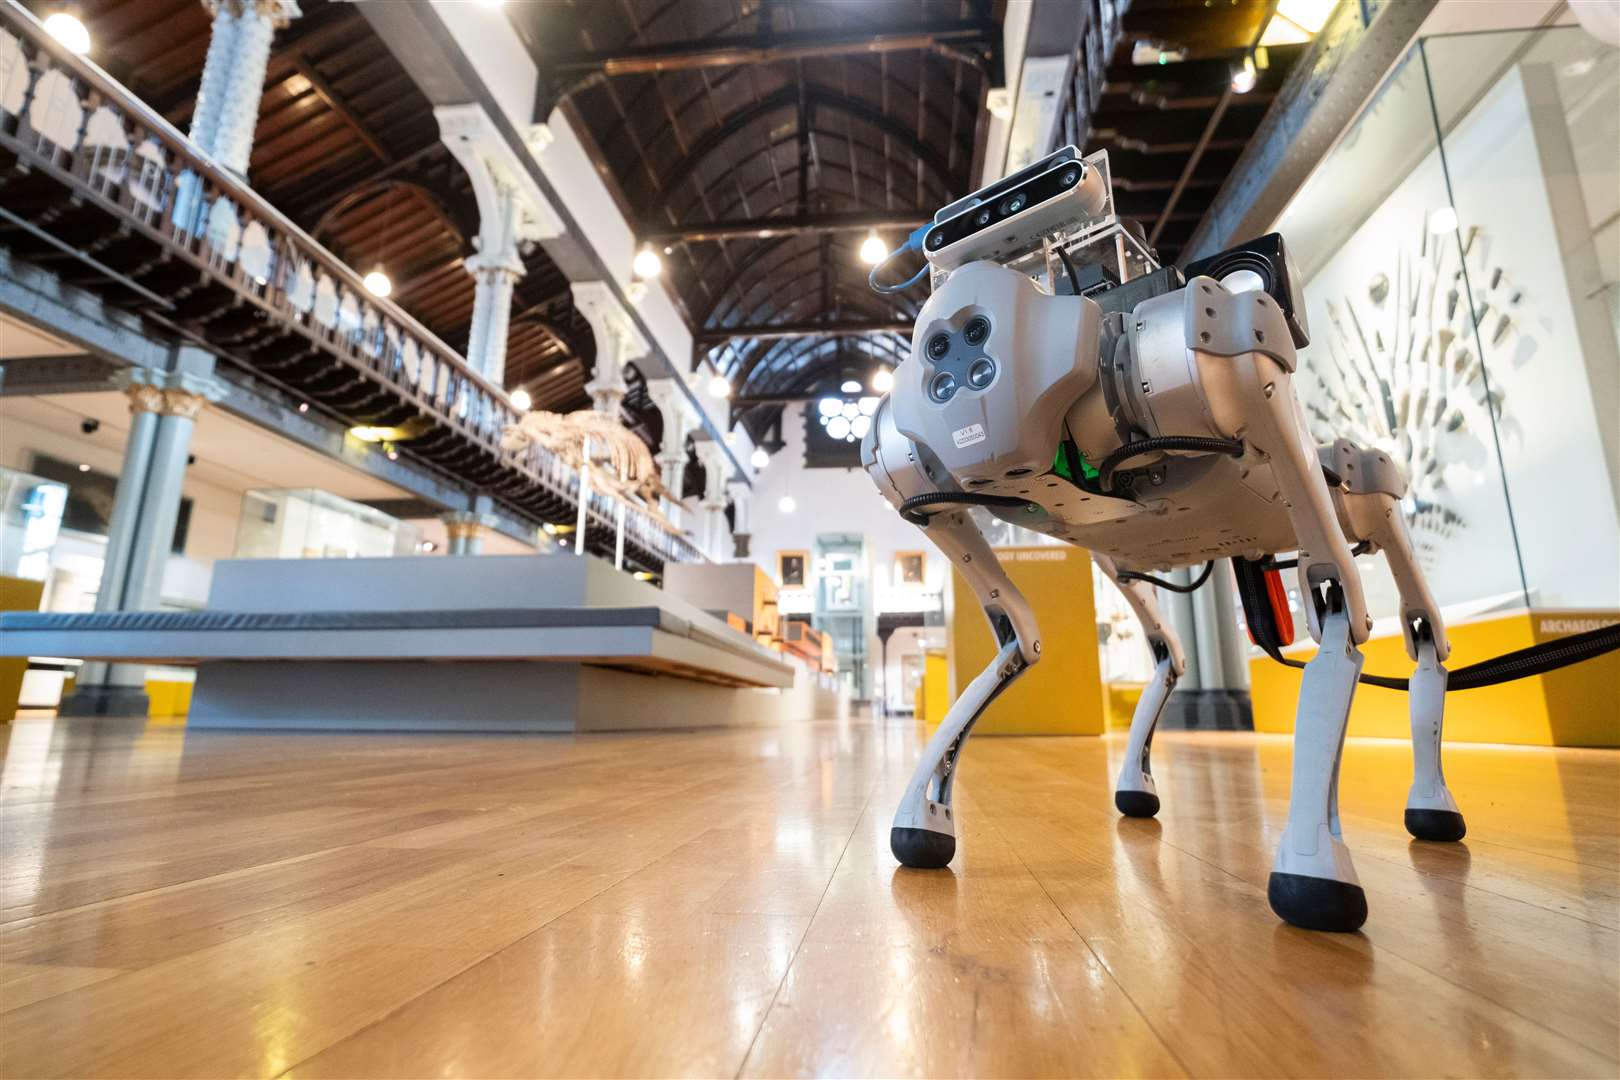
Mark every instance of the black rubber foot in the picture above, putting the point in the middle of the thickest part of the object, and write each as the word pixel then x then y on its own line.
pixel 1444 825
pixel 1317 903
pixel 922 849
pixel 1136 803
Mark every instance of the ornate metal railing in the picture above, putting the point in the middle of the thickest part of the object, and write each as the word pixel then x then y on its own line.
pixel 159 227
pixel 1088 69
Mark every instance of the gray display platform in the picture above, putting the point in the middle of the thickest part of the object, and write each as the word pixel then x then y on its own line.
pixel 491 643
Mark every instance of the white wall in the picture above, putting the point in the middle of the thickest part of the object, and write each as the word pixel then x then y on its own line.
pixel 838 501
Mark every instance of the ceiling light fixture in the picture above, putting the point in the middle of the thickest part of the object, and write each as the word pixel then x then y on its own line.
pixel 786 504
pixel 377 283
pixel 647 264
pixel 882 381
pixel 521 400
pixel 719 386
pixel 760 458
pixel 84 468
pixel 67 29
pixel 873 249
pixel 1244 78
pixel 850 386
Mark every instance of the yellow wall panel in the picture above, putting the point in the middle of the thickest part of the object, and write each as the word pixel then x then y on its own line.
pixel 1577 706
pixel 1060 695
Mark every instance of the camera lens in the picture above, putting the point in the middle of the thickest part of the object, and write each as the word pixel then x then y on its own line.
pixel 1068 177
pixel 982 371
pixel 1014 203
pixel 976 330
pixel 936 238
pixel 982 217
pixel 943 386
pixel 938 346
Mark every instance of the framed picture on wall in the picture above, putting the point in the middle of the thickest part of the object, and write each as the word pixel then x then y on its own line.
pixel 909 567
pixel 790 568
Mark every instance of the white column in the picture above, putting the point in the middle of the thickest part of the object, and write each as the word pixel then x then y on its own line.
pixel 680 419
pixel 493 282
pixel 616 343
pixel 512 216
pixel 741 525
pixel 227 111
pixel 716 474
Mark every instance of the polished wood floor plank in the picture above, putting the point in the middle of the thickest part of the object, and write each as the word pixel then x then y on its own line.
pixel 724 903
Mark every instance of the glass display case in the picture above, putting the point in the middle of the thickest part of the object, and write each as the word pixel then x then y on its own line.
pixel 1458 251
pixel 31 509
pixel 304 523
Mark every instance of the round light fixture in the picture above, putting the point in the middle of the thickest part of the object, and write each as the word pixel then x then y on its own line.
pixel 1244 78
pixel 377 283
pixel 719 386
pixel 873 249
pixel 838 427
pixel 69 31
pixel 647 264
pixel 882 381
pixel 1442 221
pixel 521 400
pixel 786 504
pixel 859 426
pixel 868 406
pixel 850 386
pixel 760 458
pixel 829 406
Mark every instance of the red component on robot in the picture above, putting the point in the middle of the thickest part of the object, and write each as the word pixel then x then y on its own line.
pixel 1277 593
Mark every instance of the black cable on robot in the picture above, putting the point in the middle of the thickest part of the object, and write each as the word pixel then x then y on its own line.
pixel 1194 443
pixel 909 508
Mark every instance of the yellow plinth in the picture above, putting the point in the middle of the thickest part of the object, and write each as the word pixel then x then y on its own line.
pixel 16 594
pixel 1576 706
pixel 1062 694
pixel 168 699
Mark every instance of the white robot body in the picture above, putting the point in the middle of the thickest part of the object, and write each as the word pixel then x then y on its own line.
pixel 1162 436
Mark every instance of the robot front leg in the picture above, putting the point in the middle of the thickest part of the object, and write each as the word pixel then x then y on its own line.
pixel 1135 794
pixel 924 831
pixel 1313 881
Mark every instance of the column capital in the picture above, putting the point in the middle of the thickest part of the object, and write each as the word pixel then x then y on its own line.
pixel 467 525
pixel 279 12
pixel 495 262
pixel 171 393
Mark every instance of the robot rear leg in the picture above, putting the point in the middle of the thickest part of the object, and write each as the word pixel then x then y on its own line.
pixel 1135 794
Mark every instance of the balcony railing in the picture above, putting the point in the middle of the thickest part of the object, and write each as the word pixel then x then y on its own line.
pixel 1088 69
pixel 153 225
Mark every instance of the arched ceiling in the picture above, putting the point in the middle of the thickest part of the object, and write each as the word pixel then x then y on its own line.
pixel 347 146
pixel 786 114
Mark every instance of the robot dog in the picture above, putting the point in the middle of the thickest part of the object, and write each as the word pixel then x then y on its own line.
pixel 1062 379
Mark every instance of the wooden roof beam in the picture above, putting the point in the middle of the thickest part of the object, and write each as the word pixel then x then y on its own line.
pixel 778 331
pixel 785 225
pixel 773 48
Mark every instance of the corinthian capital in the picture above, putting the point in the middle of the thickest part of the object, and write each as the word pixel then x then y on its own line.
pixel 279 12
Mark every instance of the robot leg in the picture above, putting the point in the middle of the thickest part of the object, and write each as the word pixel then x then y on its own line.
pixel 924 831
pixel 1431 812
pixel 1313 881
pixel 1135 794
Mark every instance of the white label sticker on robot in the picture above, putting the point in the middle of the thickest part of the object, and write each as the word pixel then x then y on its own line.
pixel 973 433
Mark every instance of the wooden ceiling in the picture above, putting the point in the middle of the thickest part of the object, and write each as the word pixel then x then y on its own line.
pixel 791 127
pixel 703 111
pixel 347 146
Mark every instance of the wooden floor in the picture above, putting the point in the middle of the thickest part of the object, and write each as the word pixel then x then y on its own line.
pixel 193 904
